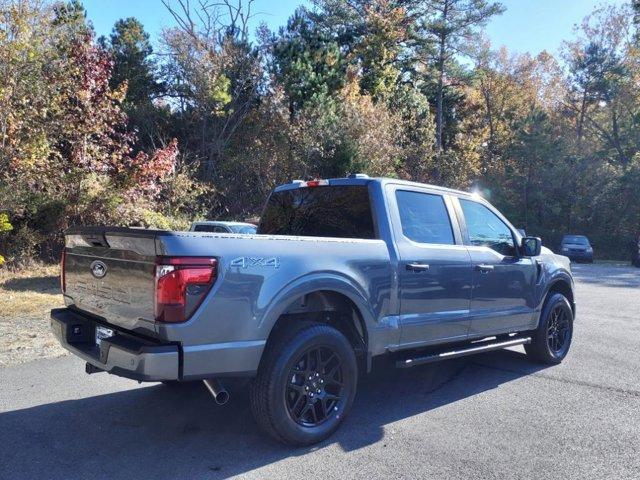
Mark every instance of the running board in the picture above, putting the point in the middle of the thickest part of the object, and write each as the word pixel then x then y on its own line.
pixel 436 357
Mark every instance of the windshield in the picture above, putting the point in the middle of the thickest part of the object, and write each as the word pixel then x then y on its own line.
pixel 243 228
pixel 576 240
pixel 331 211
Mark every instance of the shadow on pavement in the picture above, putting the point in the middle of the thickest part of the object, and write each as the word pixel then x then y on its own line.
pixel 167 433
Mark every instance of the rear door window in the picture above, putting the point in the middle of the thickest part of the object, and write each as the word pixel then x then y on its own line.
pixel 342 211
pixel 424 217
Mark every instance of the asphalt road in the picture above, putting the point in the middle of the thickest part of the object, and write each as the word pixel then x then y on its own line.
pixel 488 416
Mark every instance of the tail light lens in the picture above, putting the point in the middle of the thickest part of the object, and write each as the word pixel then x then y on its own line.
pixel 63 280
pixel 182 283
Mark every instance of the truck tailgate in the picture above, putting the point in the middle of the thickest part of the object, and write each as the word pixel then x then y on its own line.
pixel 111 273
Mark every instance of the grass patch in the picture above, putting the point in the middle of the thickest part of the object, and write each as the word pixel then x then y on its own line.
pixel 27 296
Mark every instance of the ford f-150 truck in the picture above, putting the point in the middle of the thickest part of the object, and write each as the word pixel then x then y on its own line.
pixel 340 271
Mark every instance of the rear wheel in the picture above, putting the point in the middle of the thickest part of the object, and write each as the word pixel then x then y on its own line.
pixel 305 385
pixel 551 341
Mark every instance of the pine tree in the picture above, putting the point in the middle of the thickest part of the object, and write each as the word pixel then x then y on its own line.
pixel 134 68
pixel 447 25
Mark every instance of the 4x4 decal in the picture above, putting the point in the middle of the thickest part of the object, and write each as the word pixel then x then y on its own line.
pixel 248 262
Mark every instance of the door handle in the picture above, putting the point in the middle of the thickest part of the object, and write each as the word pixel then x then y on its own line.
pixel 484 268
pixel 417 267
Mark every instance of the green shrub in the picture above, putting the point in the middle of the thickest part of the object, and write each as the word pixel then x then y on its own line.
pixel 5 226
pixel 21 246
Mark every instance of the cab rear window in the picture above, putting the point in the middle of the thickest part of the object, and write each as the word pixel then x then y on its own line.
pixel 329 211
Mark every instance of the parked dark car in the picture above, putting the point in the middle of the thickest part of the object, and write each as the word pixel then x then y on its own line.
pixel 577 248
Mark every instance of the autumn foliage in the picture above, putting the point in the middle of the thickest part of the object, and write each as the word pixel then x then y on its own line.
pixel 103 131
pixel 66 152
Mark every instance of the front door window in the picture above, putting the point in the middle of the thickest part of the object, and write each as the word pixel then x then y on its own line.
pixel 486 229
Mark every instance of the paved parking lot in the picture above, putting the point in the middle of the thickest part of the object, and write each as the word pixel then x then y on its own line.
pixel 489 416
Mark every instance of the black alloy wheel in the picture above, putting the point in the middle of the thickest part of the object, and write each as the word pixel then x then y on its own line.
pixel 551 341
pixel 315 386
pixel 559 331
pixel 306 383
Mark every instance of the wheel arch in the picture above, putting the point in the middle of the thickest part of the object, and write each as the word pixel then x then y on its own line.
pixel 564 286
pixel 332 300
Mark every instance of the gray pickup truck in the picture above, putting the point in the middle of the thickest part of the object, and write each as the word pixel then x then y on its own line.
pixel 340 271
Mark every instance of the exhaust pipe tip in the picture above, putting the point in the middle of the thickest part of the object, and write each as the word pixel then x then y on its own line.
pixel 218 392
pixel 222 397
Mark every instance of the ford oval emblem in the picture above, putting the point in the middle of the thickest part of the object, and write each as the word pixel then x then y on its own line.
pixel 98 269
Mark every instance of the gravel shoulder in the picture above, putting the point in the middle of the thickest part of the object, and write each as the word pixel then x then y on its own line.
pixel 27 296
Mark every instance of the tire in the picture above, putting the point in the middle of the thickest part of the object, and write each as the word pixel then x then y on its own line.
pixel 551 341
pixel 305 385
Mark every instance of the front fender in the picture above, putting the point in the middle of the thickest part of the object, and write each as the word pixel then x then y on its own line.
pixel 556 277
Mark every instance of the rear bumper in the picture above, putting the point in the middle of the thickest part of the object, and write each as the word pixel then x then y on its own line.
pixel 123 354
pixel 132 356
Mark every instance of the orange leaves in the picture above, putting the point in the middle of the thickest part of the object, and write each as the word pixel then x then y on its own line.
pixel 146 172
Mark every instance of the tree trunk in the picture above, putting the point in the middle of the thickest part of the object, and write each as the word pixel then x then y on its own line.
pixel 616 135
pixel 526 195
pixel 440 93
pixel 440 98
pixel 487 158
pixel 581 118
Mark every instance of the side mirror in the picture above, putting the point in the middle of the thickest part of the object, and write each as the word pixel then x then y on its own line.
pixel 531 246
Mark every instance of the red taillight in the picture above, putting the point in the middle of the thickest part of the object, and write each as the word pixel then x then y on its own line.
pixel 181 285
pixel 63 280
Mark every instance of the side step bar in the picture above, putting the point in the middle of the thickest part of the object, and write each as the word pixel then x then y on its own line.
pixel 486 347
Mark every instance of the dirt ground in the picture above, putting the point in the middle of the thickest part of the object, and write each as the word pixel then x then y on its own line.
pixel 26 298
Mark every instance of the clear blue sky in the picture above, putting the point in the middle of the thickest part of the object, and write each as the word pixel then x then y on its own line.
pixel 527 25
